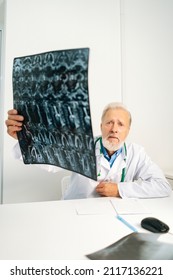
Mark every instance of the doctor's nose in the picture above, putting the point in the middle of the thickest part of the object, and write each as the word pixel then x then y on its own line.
pixel 114 128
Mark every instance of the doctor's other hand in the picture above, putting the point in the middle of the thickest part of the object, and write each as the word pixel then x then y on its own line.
pixel 107 189
pixel 14 123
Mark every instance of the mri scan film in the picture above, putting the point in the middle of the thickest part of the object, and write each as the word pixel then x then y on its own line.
pixel 51 91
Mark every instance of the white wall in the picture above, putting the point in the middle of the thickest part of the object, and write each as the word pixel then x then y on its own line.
pixel 147 75
pixel 1 96
pixel 34 26
pixel 1 135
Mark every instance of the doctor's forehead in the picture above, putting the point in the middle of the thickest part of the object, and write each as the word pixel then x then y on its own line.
pixel 116 113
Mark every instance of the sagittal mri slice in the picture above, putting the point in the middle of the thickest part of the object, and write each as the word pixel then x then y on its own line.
pixel 51 91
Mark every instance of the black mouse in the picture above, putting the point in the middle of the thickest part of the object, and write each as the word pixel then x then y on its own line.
pixel 154 225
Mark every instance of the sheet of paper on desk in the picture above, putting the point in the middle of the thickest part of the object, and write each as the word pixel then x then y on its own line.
pixel 94 207
pixel 51 91
pixel 129 206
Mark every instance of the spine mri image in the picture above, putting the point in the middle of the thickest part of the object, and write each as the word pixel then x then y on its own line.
pixel 51 91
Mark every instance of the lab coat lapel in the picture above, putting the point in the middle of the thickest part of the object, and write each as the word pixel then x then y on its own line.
pixel 118 165
pixel 115 171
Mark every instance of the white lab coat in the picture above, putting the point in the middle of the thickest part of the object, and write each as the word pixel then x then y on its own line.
pixel 143 179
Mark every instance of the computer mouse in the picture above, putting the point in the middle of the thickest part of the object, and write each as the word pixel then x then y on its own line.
pixel 154 225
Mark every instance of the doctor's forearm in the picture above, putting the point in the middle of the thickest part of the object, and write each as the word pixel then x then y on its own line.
pixel 144 189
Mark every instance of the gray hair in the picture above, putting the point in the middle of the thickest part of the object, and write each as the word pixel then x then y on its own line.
pixel 116 105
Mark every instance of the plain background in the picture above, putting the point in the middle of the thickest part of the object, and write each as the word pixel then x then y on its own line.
pixel 131 60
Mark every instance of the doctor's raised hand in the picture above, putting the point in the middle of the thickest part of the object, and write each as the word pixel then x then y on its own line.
pixel 14 123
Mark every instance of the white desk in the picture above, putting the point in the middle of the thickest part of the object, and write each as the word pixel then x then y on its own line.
pixel 54 230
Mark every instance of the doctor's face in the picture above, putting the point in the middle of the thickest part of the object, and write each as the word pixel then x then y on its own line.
pixel 115 127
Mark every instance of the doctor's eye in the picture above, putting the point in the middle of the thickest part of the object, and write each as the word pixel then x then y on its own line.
pixel 109 123
pixel 120 124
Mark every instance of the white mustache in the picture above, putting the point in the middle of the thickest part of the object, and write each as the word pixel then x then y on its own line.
pixel 112 135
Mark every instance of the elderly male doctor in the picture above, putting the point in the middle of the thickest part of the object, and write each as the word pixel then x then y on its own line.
pixel 123 170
